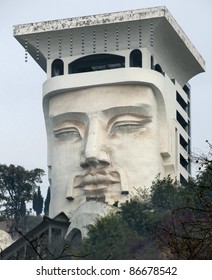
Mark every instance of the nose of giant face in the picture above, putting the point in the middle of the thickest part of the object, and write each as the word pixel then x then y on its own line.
pixel 94 154
pixel 95 159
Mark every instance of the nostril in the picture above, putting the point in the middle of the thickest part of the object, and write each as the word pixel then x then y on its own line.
pixel 90 162
pixel 104 162
pixel 84 165
pixel 94 163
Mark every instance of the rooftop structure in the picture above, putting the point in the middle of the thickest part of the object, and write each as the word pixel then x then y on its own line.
pixel 151 28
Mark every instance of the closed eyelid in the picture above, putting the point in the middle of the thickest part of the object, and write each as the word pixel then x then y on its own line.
pixel 133 124
pixel 130 118
pixel 139 122
pixel 68 133
pixel 70 130
pixel 64 129
pixel 66 125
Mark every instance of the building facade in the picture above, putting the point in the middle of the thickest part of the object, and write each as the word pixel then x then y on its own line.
pixel 141 48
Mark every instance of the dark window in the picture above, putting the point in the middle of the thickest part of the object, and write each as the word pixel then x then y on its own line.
pixel 189 110
pixel 181 101
pixel 136 58
pixel 183 143
pixel 189 146
pixel 96 62
pixel 183 181
pixel 187 90
pixel 57 67
pixel 183 162
pixel 189 128
pixel 152 62
pixel 182 121
pixel 159 69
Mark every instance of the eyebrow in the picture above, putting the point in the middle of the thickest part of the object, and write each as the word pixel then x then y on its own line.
pixel 70 116
pixel 144 110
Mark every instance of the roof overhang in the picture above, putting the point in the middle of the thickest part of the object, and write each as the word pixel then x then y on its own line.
pixel 152 28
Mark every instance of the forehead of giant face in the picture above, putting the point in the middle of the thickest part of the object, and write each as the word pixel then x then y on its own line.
pixel 101 98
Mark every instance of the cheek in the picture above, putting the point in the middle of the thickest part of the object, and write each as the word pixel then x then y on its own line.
pixel 135 147
pixel 66 155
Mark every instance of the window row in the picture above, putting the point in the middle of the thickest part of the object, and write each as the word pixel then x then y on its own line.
pixel 98 62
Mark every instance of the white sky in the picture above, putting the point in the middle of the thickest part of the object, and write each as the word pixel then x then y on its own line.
pixel 22 130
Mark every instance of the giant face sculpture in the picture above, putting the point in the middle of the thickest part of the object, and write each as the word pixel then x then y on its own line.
pixel 103 142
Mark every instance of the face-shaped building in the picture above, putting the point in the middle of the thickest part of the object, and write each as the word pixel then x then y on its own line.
pixel 116 102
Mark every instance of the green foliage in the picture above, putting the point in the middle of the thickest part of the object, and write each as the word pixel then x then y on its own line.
pixel 186 232
pixel 140 217
pixel 112 238
pixel 165 194
pixel 103 237
pixel 126 234
pixel 37 202
pixel 23 208
pixel 204 186
pixel 17 186
pixel 47 202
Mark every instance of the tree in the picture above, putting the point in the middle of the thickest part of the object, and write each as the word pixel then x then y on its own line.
pixel 165 194
pixel 37 202
pixel 17 185
pixel 110 238
pixel 46 203
pixel 126 234
pixel 23 208
pixel 186 231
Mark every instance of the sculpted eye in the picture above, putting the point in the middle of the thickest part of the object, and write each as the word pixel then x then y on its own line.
pixel 67 134
pixel 127 127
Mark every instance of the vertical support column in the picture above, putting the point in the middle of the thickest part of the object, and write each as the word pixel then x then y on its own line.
pixel 146 58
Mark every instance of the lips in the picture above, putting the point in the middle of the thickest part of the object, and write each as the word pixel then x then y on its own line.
pixel 96 182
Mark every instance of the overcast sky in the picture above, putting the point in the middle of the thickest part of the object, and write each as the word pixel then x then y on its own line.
pixel 22 130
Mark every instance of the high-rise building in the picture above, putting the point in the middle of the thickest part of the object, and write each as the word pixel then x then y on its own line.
pixel 117 110
pixel 139 47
